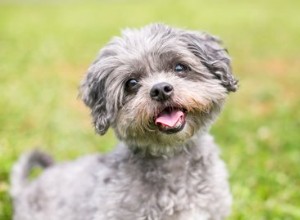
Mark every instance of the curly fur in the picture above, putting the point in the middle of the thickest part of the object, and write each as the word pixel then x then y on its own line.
pixel 151 175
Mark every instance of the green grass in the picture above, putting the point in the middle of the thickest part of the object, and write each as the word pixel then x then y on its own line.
pixel 46 48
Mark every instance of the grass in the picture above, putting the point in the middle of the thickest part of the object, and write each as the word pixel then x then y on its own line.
pixel 45 48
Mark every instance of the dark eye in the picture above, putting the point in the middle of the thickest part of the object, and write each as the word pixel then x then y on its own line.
pixel 179 68
pixel 132 85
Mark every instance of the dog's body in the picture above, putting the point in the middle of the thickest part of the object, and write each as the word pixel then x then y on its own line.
pixel 160 89
pixel 189 186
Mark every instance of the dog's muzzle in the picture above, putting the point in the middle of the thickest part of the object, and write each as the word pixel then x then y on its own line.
pixel 171 119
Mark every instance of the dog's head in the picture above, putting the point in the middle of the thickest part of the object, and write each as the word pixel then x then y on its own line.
pixel 158 86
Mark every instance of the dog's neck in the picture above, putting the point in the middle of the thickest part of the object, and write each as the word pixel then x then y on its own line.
pixel 198 154
pixel 194 148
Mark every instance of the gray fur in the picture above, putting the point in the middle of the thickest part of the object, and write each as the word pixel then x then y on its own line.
pixel 26 163
pixel 151 175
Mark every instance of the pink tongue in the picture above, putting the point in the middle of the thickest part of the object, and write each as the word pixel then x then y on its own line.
pixel 169 118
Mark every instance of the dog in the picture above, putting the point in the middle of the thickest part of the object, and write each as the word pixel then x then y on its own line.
pixel 160 89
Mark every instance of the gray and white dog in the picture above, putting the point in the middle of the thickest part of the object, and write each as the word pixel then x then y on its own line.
pixel 160 89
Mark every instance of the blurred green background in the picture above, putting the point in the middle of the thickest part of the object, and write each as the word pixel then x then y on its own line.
pixel 46 47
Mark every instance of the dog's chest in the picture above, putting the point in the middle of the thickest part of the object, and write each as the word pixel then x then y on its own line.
pixel 170 191
pixel 178 192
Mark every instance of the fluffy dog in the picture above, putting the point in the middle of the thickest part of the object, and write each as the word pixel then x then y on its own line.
pixel 160 89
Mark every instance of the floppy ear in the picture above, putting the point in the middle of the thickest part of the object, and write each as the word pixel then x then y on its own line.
pixel 213 56
pixel 92 92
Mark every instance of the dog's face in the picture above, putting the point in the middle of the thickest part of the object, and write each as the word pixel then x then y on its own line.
pixel 158 86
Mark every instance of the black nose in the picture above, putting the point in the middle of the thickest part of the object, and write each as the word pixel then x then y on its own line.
pixel 161 91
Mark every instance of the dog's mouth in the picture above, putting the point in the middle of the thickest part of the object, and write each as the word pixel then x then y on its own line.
pixel 170 120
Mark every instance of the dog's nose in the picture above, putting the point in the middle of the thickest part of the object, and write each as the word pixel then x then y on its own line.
pixel 161 91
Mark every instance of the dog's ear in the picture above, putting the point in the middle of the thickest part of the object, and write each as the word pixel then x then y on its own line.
pixel 93 94
pixel 213 56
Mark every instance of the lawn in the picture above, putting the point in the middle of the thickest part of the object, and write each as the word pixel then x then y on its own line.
pixel 45 48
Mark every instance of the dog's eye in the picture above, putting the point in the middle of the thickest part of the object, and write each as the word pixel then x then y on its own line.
pixel 179 68
pixel 132 85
